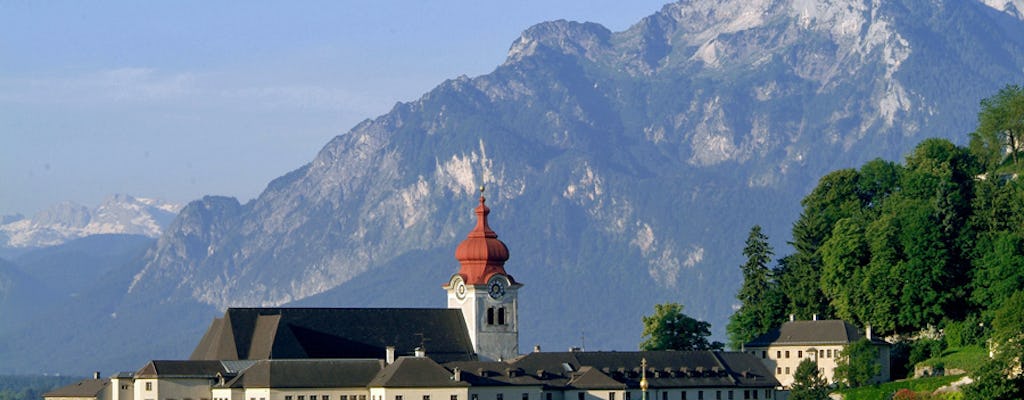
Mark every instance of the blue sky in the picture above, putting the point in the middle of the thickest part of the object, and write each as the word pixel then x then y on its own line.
pixel 176 100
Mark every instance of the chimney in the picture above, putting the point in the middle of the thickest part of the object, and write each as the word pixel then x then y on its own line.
pixel 814 317
pixel 96 375
pixel 420 352
pixel 536 348
pixel 389 358
pixel 457 374
pixel 867 331
pixel 792 318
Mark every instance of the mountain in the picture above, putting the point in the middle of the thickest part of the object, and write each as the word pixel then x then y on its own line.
pixel 623 169
pixel 118 214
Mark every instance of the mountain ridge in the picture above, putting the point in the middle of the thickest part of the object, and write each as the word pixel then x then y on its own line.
pixel 623 169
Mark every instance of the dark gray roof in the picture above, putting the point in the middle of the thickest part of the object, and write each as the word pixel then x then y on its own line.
pixel 83 388
pixel 819 332
pixel 297 333
pixel 182 369
pixel 310 373
pixel 415 372
pixel 595 370
pixel 493 373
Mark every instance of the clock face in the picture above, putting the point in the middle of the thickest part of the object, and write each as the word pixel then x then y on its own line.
pixel 496 290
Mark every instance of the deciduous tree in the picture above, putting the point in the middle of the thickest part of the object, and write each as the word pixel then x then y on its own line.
pixel 670 329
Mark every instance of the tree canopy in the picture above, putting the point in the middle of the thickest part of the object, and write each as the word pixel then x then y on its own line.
pixel 669 329
pixel 808 384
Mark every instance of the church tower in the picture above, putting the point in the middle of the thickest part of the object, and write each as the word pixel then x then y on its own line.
pixel 486 294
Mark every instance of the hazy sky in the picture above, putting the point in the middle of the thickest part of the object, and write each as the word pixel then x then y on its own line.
pixel 180 99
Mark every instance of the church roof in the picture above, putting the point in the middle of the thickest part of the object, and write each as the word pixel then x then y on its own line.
pixel 481 254
pixel 322 373
pixel 90 388
pixel 295 333
pixel 816 332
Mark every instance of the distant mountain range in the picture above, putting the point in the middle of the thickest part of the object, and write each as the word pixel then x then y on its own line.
pixel 623 169
pixel 118 214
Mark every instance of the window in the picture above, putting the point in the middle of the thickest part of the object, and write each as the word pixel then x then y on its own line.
pixel 361 397
pixel 778 370
pixel 799 354
pixel 787 353
pixel 682 395
pixel 664 395
pixel 526 396
pixel 829 353
pixel 398 397
pixel 718 395
pixel 149 385
pixel 547 396
pixel 301 397
pixel 787 373
pixel 581 396
pixel 324 397
pixel 611 395
pixel 755 393
pixel 501 316
pixel 764 354
pixel 746 394
pixel 474 396
pixel 629 395
pixel 700 395
pixel 289 397
pixel 455 397
pixel 730 395
pixel 821 353
pixel 500 396
pixel 426 397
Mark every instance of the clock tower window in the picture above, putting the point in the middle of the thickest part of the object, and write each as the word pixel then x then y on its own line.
pixel 501 316
pixel 490 316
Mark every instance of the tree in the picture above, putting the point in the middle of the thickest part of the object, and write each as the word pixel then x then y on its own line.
pixel 1000 127
pixel 759 305
pixel 1001 377
pixel 670 329
pixel 857 364
pixel 808 384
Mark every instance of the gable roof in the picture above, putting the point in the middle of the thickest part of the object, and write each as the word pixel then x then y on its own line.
pixel 296 333
pixel 415 372
pixel 311 373
pixel 182 369
pixel 817 332
pixel 91 388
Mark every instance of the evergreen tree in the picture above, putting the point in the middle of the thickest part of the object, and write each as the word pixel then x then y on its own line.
pixel 808 384
pixel 759 310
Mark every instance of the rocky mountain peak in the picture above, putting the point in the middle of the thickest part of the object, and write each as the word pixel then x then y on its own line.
pixel 118 214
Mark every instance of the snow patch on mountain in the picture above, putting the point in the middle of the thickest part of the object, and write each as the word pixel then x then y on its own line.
pixel 1012 7
pixel 118 214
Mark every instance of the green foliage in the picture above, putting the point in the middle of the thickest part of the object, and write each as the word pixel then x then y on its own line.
pixel 670 329
pixel 886 390
pixel 1000 128
pixel 969 332
pixel 923 349
pixel 760 300
pixel 857 364
pixel 808 384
